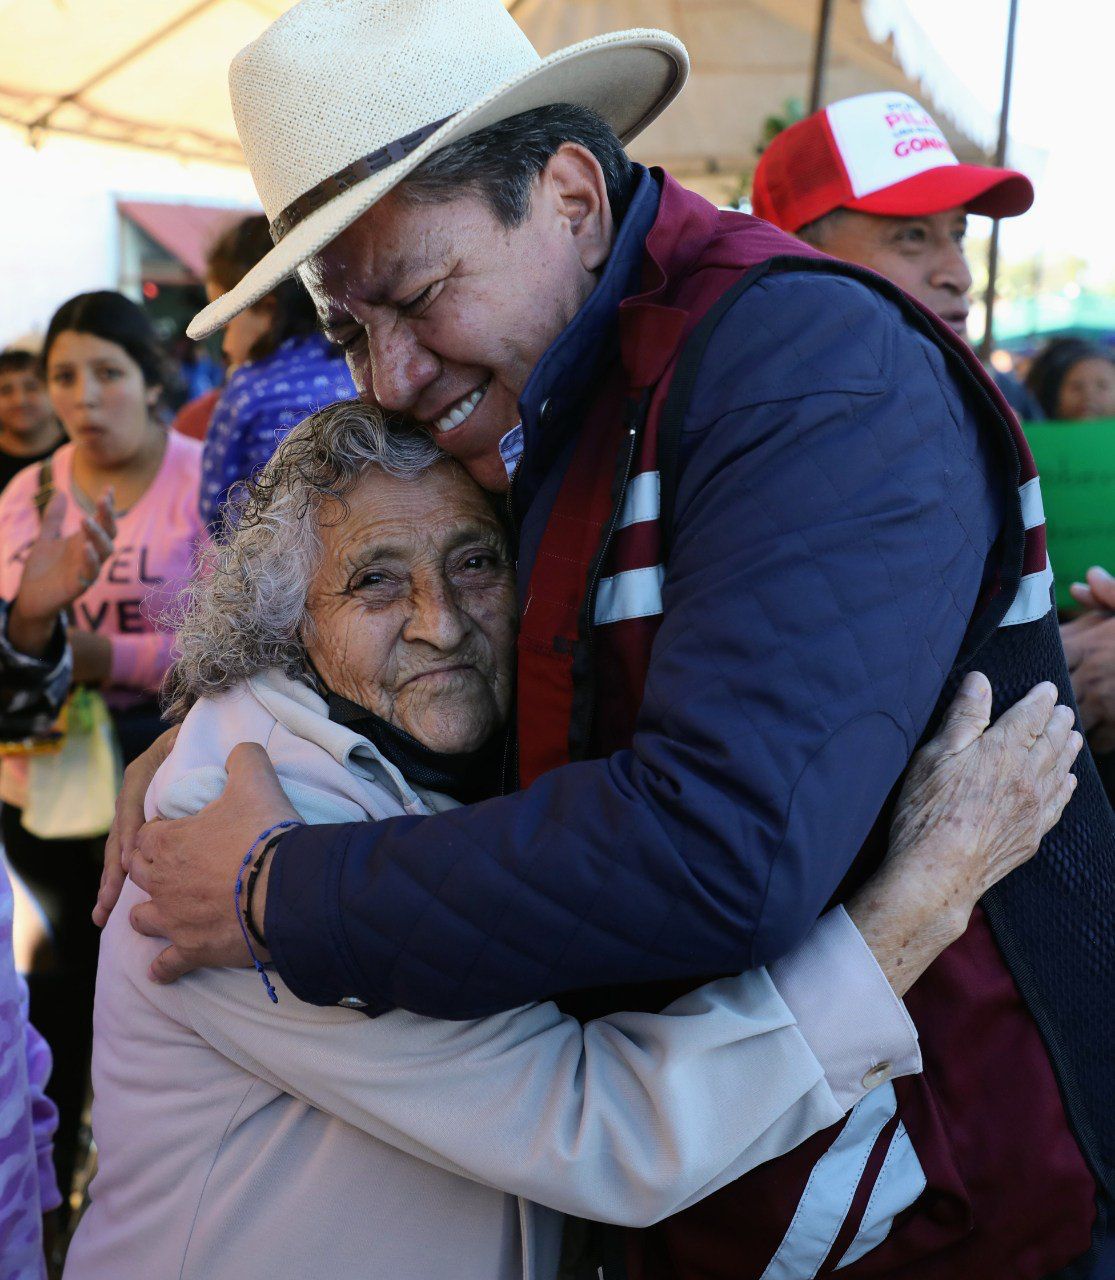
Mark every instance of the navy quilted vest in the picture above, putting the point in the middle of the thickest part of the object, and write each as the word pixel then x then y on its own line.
pixel 999 1160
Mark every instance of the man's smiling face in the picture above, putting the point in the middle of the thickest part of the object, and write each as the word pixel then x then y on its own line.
pixel 444 312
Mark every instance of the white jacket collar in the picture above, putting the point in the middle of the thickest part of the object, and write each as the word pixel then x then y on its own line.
pixel 306 714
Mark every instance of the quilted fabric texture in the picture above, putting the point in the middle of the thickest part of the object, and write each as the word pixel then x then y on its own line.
pixel 835 512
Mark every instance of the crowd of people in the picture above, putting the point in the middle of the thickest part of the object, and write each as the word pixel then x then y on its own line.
pixel 92 460
pixel 594 776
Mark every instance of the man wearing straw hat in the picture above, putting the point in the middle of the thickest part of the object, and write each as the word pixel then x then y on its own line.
pixel 769 512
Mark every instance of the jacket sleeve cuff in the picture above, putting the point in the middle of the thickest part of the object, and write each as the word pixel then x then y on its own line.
pixel 856 1026
pixel 301 925
pixel 46 679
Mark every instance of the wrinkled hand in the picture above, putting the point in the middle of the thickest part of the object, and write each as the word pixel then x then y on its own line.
pixel 189 868
pixel 58 570
pixel 1090 649
pixel 974 807
pixel 120 845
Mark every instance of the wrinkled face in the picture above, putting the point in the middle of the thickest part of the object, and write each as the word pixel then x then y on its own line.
pixel 413 611
pixel 923 256
pixel 444 312
pixel 98 393
pixel 24 406
pixel 1088 391
pixel 243 331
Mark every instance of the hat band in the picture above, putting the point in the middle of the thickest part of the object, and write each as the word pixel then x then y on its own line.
pixel 349 176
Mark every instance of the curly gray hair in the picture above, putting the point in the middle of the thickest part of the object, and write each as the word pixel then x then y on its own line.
pixel 244 611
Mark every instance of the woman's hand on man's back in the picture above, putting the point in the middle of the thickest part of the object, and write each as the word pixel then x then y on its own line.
pixel 974 807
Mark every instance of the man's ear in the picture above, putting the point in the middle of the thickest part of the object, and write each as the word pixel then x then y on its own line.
pixel 580 194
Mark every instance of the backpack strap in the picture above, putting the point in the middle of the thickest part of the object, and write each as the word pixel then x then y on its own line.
pixel 674 411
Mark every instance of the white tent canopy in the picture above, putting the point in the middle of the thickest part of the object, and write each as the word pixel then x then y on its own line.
pixel 751 56
pixel 152 73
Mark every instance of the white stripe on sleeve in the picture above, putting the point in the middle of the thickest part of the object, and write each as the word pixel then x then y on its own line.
pixel 1032 600
pixel 1033 510
pixel 828 1194
pixel 636 593
pixel 642 501
pixel 901 1180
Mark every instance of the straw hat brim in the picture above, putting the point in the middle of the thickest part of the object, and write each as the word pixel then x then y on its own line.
pixel 627 77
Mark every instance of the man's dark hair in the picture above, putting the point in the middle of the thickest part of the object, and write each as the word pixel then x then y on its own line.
pixel 16 361
pixel 230 259
pixel 500 163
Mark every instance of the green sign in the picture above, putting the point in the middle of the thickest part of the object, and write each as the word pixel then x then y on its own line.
pixel 1076 462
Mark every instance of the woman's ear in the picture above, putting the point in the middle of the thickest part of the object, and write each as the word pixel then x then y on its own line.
pixel 153 395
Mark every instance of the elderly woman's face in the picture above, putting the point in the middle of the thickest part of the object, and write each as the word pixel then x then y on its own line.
pixel 413 608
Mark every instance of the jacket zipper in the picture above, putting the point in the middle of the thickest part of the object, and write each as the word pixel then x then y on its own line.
pixel 509 783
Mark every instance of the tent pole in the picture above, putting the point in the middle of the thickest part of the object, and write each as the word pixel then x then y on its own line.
pixel 821 55
pixel 988 342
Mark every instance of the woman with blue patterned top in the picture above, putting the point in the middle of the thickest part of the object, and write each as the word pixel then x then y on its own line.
pixel 282 369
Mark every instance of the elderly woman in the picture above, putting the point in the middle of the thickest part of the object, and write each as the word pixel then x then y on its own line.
pixel 359 628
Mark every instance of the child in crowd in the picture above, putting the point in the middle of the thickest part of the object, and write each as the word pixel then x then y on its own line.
pixel 282 369
pixel 104 373
pixel 29 431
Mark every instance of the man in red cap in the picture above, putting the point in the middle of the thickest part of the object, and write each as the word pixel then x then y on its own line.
pixel 873 180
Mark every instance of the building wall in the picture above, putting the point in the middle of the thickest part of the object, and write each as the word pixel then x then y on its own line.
pixel 59 228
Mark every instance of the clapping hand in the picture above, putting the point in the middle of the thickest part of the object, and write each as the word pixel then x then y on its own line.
pixel 58 570
pixel 1090 649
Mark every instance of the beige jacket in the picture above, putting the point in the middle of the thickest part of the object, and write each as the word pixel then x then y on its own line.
pixel 242 1139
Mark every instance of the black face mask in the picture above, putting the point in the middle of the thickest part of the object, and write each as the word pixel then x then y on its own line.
pixel 466 776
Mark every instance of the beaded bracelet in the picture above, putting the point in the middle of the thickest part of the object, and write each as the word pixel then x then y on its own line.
pixel 239 889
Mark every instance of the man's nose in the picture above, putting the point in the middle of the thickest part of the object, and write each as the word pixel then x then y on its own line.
pixel 436 617
pixel 951 271
pixel 400 367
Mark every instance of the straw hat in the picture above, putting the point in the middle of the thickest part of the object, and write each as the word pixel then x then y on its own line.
pixel 338 100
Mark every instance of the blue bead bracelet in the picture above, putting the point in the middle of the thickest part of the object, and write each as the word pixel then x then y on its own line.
pixel 244 865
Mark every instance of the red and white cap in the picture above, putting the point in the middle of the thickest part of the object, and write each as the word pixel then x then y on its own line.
pixel 879 153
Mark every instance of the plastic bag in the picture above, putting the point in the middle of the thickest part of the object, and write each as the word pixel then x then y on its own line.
pixel 71 793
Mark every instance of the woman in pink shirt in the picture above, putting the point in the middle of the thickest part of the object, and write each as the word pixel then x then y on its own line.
pixel 104 373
